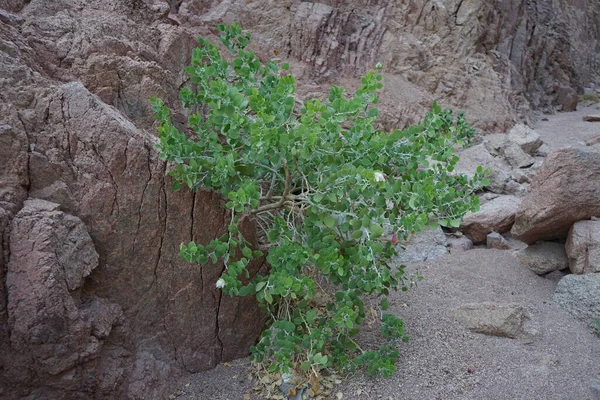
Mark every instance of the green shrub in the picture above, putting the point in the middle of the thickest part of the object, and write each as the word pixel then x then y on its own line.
pixel 589 97
pixel 332 196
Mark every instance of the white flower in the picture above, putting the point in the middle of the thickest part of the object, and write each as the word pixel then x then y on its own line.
pixel 379 176
pixel 220 283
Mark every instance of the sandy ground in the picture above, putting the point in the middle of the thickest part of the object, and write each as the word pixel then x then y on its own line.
pixel 558 360
pixel 443 360
pixel 568 129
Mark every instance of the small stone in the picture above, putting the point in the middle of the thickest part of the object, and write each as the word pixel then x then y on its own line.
pixel 592 118
pixel 543 257
pixel 459 244
pixel 526 138
pixel 497 241
pixel 492 319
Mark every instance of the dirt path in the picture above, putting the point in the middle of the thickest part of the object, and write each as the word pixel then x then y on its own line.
pixel 558 360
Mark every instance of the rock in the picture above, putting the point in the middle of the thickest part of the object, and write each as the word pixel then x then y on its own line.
pixel 460 244
pixel 593 141
pixel 515 156
pixel 543 257
pixel 501 146
pixel 98 166
pixel 496 241
pixel 565 190
pixel 579 295
pixel 492 319
pixel 591 118
pixel 496 215
pixel 583 247
pixel 472 157
pixel 543 151
pixel 555 276
pixel 51 254
pixel 567 98
pixel 516 189
pixel 425 245
pixel 526 138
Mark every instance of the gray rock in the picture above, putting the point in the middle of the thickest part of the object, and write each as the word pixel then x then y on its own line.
pixel 543 257
pixel 426 245
pixel 526 138
pixel 496 241
pixel 496 215
pixel 492 319
pixel 516 189
pixel 459 244
pixel 501 146
pixel 51 254
pixel 515 156
pixel 475 156
pixel 543 151
pixel 554 276
pixel 579 295
pixel 583 247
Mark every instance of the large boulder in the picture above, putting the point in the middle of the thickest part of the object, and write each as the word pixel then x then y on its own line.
pixel 496 215
pixel 583 247
pixel 565 190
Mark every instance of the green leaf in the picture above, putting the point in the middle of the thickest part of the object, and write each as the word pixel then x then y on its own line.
pixel 357 234
pixel 385 304
pixel 376 230
pixel 268 298
pixel 247 252
pixel 455 223
pixel 329 221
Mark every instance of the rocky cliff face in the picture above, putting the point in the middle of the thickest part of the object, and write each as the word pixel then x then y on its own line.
pixel 94 301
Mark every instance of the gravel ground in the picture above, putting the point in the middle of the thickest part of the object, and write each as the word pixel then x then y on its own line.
pixel 568 129
pixel 558 360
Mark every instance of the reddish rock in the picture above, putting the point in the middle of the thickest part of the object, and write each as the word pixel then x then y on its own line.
pixel 51 321
pixel 591 118
pixel 565 190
